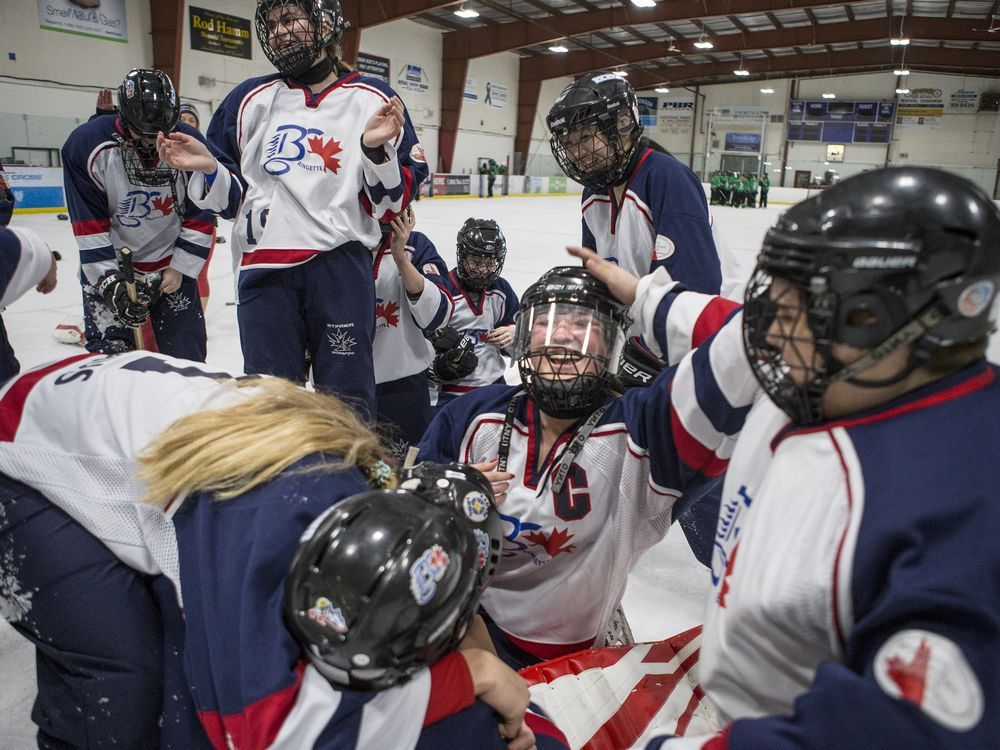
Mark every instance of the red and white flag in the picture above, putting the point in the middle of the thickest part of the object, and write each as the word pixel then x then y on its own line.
pixel 620 697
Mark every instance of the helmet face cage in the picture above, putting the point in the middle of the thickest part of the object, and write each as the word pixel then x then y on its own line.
pixel 294 33
pixel 568 353
pixel 382 585
pixel 595 130
pixel 481 251
pixel 470 495
pixel 787 339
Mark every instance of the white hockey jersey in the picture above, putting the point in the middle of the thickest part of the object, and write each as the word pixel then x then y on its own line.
pixel 400 347
pixel 309 186
pixel 108 212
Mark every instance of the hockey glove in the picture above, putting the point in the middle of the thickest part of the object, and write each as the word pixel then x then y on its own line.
pixel 445 339
pixel 455 364
pixel 638 366
pixel 130 314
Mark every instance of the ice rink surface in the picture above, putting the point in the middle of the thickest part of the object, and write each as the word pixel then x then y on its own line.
pixel 668 586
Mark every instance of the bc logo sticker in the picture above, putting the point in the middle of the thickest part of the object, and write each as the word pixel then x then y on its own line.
pixel 325 614
pixel 482 548
pixel 931 672
pixel 426 572
pixel 975 298
pixel 476 506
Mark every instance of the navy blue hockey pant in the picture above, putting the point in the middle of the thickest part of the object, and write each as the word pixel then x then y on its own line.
pixel 404 411
pixel 94 622
pixel 325 307
pixel 177 321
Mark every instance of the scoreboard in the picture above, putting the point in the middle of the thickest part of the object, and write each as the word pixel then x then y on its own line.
pixel 836 121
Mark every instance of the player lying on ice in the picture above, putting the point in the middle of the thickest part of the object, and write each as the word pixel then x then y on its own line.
pixel 178 546
pixel 855 600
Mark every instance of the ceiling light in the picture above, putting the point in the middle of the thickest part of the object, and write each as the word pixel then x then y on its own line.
pixel 643 3
pixel 902 91
pixel 899 41
pixel 661 90
pixel 829 95
pixel 901 72
pixel 558 48
pixel 703 43
pixel 620 73
pixel 741 72
pixel 767 90
pixel 464 12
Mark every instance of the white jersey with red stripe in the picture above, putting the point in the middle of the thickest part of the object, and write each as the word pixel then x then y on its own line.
pixel 104 423
pixel 495 307
pixel 652 453
pixel 108 212
pixel 309 186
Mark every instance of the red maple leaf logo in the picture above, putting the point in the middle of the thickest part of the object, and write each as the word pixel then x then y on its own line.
pixel 724 589
pixel 911 676
pixel 390 312
pixel 327 151
pixel 553 543
pixel 163 204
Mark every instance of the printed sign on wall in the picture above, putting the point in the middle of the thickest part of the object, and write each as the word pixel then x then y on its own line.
pixel 373 66
pixel 496 95
pixel 219 33
pixel 101 20
pixel 412 78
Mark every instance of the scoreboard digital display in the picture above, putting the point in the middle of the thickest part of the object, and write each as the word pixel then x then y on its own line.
pixel 837 121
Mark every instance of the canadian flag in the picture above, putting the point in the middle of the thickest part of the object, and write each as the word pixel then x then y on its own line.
pixel 620 697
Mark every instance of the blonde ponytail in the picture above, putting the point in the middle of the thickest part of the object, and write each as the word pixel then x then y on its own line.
pixel 230 450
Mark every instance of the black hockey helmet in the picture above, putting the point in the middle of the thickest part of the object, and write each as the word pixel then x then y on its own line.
pixel 595 129
pixel 147 105
pixel 382 584
pixel 882 259
pixel 568 340
pixel 294 40
pixel 466 491
pixel 481 251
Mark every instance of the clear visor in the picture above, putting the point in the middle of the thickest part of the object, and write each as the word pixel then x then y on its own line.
pixel 566 334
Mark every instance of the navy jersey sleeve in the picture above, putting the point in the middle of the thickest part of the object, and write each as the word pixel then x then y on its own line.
pixel 86 200
pixel 412 165
pixel 442 440
pixel 511 306
pixel 244 666
pixel 434 308
pixel 681 212
pixel 689 418
pixel 24 261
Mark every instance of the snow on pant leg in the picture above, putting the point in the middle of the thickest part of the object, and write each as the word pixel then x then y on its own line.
pixel 404 411
pixel 339 304
pixel 103 331
pixel 179 323
pixel 94 622
pixel 272 327
pixel 9 366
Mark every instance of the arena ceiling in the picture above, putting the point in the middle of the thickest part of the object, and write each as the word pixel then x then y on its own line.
pixel 768 38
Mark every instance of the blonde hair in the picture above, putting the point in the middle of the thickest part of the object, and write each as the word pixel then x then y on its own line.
pixel 230 450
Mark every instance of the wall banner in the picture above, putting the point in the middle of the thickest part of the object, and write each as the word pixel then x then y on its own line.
pixel 219 33
pixel 926 102
pixel 100 19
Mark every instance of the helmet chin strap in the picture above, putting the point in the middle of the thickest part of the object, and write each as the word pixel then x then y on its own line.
pixel 912 331
pixel 317 73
